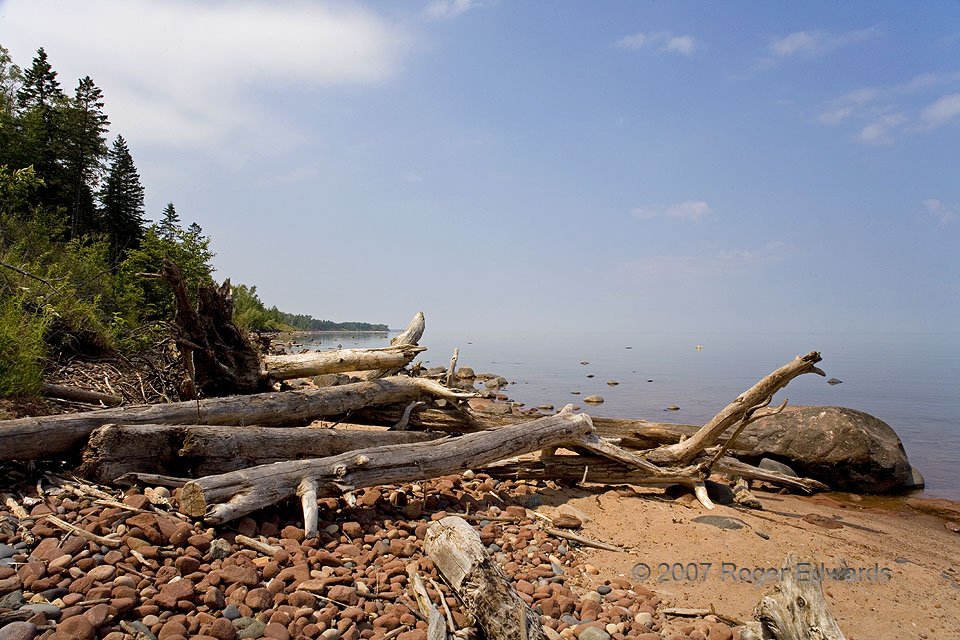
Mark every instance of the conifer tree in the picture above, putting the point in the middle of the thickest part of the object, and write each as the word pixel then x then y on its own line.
pixel 121 202
pixel 40 86
pixel 85 130
pixel 170 223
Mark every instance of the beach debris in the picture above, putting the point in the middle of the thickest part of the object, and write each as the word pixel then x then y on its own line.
pixel 699 347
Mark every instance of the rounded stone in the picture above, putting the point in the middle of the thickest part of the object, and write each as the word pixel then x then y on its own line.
pixel 76 628
pixel 18 631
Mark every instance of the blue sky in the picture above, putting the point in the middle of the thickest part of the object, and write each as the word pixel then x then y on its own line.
pixel 634 165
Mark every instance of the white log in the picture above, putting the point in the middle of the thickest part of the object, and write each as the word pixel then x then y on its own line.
pixel 315 363
pixel 410 336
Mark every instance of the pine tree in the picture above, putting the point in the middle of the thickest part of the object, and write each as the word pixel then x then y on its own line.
pixel 121 202
pixel 170 223
pixel 85 129
pixel 40 87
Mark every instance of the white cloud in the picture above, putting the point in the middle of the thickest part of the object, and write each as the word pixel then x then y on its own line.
pixel 817 43
pixel 942 212
pixel 882 113
pixel 189 75
pixel 444 9
pixel 662 41
pixel 881 130
pixel 690 210
pixel 940 111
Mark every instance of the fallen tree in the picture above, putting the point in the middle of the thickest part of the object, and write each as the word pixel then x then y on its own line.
pixel 47 436
pixel 315 363
pixel 408 337
pixel 190 451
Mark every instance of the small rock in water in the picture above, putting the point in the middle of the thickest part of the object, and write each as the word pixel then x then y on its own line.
pixel 612 383
pixel 834 381
pixel 576 393
pixel 594 399
pixel 673 407
pixel 584 362
pixel 589 375
pixel 545 407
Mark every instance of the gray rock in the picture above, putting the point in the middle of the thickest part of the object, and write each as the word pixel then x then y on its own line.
pixel 18 631
pixel 330 634
pixel 143 629
pixel 466 373
pixel 592 633
pixel 6 551
pixel 719 493
pixel 834 381
pixel 496 383
pixel 230 612
pixel 604 589
pixel 915 481
pixel 331 379
pixel 557 569
pixel 13 600
pixel 772 465
pixel 253 630
pixel 52 611
pixel 721 522
pixel 847 449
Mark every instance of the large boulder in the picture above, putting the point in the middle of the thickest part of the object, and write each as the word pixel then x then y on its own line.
pixel 847 449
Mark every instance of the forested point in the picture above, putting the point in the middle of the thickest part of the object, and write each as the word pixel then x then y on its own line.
pixel 75 240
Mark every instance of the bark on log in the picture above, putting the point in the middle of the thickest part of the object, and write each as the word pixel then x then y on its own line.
pixel 315 363
pixel 49 436
pixel 222 498
pixel 796 608
pixel 410 336
pixel 79 395
pixel 484 589
pixel 191 451
pixel 219 355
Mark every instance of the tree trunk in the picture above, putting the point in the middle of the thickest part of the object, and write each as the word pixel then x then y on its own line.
pixel 48 436
pixel 410 337
pixel 796 608
pixel 484 589
pixel 222 498
pixel 194 450
pixel 216 354
pixel 315 363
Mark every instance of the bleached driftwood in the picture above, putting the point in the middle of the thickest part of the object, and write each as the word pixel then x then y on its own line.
pixel 199 450
pixel 315 363
pixel 453 366
pixel 410 336
pixel 795 609
pixel 484 589
pixel 48 436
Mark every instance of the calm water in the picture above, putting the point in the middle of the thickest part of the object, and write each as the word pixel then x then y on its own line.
pixel 910 381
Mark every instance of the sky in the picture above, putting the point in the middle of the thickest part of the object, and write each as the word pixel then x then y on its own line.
pixel 508 165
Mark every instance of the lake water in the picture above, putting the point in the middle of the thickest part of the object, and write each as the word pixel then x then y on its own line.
pixel 910 381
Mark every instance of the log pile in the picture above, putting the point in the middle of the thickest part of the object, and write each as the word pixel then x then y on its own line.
pixel 232 455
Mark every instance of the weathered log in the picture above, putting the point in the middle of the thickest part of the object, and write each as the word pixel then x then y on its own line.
pixel 757 395
pixel 410 336
pixel 221 498
pixel 796 608
pixel 200 450
pixel 216 353
pixel 49 436
pixel 484 589
pixel 79 395
pixel 315 363
pixel 570 468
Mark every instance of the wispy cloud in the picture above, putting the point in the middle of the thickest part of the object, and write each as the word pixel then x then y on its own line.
pixel 883 113
pixel 662 41
pixel 445 9
pixel 690 210
pixel 813 44
pixel 941 211
pixel 193 75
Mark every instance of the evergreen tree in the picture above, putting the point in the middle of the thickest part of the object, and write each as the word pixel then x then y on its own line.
pixel 11 77
pixel 121 202
pixel 195 229
pixel 86 128
pixel 40 86
pixel 170 223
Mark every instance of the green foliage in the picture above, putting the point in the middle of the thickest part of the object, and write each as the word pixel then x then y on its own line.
pixel 249 312
pixel 21 348
pixel 121 200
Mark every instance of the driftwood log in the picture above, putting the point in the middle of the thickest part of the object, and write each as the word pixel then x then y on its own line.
pixel 79 395
pixel 315 363
pixel 796 608
pixel 480 583
pixel 48 436
pixel 191 451
pixel 409 337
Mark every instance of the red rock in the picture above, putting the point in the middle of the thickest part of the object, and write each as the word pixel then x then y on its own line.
pixel 187 565
pixel 415 634
pixel 173 592
pixel 102 573
pixel 236 574
pixel 172 628
pixel 123 605
pixel 214 599
pixel 352 529
pixel 293 533
pixel 370 498
pixel 276 631
pixel 99 614
pixel 343 594
pixel 302 599
pixel 259 599
pixel 137 501
pixel 222 629
pixel 76 628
